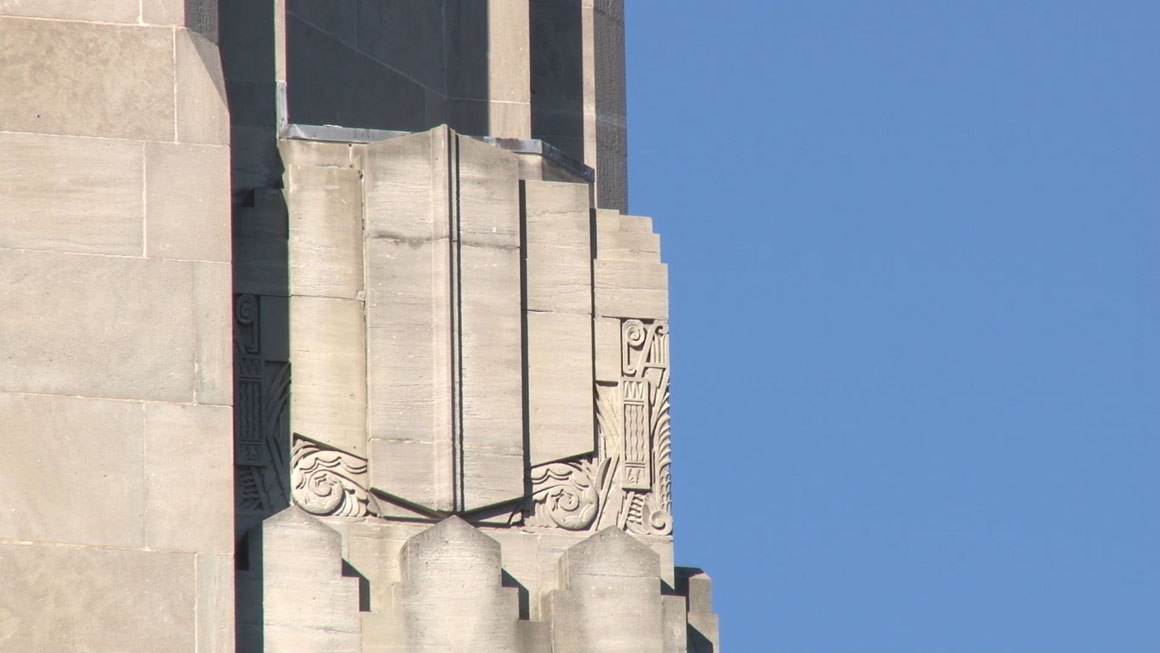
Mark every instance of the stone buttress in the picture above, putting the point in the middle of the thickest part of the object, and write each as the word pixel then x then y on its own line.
pixel 477 443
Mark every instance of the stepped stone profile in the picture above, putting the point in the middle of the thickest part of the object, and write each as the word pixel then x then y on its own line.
pixel 330 324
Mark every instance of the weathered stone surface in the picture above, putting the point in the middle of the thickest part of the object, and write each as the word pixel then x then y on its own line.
pixel 308 606
pixel 489 319
pixel 187 201
pixel 328 355
pixel 106 11
pixel 91 451
pixel 317 154
pixel 560 416
pixel 215 603
pixel 408 340
pixel 202 111
pixel 450 595
pixel 399 175
pixel 142 307
pixel 559 258
pixel 606 332
pixel 642 246
pixel 74 598
pixel 610 599
pixel 214 373
pixel 86 79
pixel 418 472
pixel 70 194
pixel 325 231
pixel 184 449
pixel 675 627
pixel 629 289
pixel 703 626
pixel 163 12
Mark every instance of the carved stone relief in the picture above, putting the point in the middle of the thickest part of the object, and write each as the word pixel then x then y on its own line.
pixel 262 390
pixel 627 483
pixel 327 481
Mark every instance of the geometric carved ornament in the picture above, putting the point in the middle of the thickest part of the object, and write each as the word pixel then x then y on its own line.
pixel 627 483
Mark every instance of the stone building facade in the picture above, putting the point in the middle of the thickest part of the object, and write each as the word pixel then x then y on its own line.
pixel 325 329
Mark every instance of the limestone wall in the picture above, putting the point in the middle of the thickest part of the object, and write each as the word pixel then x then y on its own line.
pixel 115 366
pixel 478 411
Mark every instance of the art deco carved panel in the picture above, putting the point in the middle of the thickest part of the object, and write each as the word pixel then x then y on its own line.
pixel 479 302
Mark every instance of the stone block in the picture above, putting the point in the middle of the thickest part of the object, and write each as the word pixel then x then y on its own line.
pixel 202 111
pixel 213 319
pixel 606 332
pixel 488 195
pixel 110 318
pixel 128 600
pixel 328 354
pixel 105 11
pixel 215 603
pixel 316 154
pixel 636 224
pixel 71 194
pixel 450 595
pixel 418 472
pixel 611 552
pixel 509 119
pixel 615 615
pixel 308 606
pixel 640 246
pixel 521 563
pixel 509 58
pixel 704 632
pixel 191 492
pixel 675 627
pixel 408 340
pixel 400 178
pixel 163 12
pixel 558 240
pixel 698 587
pixel 86 79
pixel 560 393
pixel 73 471
pixel 326 241
pixel 187 201
pixel 491 476
pixel 631 290
pixel 491 359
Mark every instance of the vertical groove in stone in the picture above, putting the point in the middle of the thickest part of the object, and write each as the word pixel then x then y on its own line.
pixel 456 344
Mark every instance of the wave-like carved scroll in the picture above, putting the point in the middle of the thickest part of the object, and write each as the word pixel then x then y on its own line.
pixel 627 483
pixel 328 481
pixel 566 494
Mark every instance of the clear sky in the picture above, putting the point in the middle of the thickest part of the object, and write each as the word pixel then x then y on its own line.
pixel 914 251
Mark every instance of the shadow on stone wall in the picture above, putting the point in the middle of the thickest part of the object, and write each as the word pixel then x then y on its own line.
pixel 405 65
pixel 558 75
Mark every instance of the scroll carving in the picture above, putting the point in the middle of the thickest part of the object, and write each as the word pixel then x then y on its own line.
pixel 328 481
pixel 627 483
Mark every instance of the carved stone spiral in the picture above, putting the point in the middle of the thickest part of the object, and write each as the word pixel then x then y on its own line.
pixel 568 495
pixel 634 333
pixel 317 491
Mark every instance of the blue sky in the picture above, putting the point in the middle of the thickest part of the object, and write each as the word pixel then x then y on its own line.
pixel 915 266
